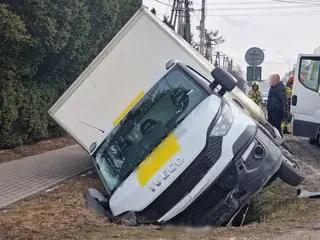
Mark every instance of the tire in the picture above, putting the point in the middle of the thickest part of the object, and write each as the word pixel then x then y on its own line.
pixel 290 171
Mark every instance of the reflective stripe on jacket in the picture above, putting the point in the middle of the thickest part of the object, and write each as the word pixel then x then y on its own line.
pixel 255 95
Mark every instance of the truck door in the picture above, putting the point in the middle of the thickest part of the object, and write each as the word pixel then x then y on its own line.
pixel 306 97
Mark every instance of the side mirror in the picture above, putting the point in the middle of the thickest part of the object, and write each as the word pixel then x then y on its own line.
pixel 170 64
pixel 223 79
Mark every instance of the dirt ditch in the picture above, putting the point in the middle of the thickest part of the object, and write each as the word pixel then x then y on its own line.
pixel 59 213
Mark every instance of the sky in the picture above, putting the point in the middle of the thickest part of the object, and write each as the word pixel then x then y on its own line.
pixel 282 29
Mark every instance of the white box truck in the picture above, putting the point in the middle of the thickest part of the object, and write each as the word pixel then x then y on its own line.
pixel 167 142
pixel 306 97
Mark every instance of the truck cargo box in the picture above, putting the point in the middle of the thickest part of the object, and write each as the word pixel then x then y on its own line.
pixel 98 99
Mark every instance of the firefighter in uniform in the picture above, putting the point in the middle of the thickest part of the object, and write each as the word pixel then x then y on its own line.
pixel 255 94
pixel 286 123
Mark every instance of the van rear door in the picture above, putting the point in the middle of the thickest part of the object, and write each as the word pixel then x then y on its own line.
pixel 306 96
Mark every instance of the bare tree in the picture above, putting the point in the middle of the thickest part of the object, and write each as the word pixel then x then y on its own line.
pixel 212 39
pixel 167 22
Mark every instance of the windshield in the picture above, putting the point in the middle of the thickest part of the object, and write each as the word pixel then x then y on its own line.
pixel 310 73
pixel 144 127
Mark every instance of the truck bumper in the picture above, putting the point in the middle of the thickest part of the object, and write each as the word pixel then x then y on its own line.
pixel 256 160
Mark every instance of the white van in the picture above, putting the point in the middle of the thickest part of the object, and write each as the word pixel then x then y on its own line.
pixel 169 139
pixel 306 97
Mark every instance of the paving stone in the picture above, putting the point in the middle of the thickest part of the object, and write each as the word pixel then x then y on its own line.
pixel 22 178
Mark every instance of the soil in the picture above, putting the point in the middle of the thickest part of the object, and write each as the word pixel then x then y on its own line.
pixel 60 213
pixel 34 149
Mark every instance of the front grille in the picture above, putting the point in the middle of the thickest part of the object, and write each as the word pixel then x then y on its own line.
pixel 202 210
pixel 185 182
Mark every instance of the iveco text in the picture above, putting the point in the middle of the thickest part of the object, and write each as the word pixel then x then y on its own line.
pixel 173 165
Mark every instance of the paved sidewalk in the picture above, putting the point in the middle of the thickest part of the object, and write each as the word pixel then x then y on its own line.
pixel 24 177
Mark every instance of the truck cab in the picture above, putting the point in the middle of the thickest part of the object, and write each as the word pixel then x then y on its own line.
pixel 306 97
pixel 172 141
pixel 183 146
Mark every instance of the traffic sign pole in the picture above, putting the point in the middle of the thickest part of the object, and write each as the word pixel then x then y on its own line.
pixel 254 57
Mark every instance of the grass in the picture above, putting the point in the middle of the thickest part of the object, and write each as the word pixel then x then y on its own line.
pixel 279 203
pixel 61 214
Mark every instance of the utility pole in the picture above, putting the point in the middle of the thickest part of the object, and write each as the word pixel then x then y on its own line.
pixel 230 65
pixel 180 28
pixel 227 63
pixel 217 60
pixel 187 27
pixel 172 11
pixel 254 55
pixel 208 47
pixel 224 61
pixel 202 26
pixel 175 9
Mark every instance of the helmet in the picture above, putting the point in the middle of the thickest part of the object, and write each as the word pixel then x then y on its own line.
pixel 255 84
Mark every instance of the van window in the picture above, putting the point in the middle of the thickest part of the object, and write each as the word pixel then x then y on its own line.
pixel 309 73
pixel 146 125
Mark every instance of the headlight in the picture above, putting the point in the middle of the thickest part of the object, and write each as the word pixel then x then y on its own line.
pixel 225 120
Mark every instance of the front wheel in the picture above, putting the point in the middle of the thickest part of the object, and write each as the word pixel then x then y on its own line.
pixel 290 171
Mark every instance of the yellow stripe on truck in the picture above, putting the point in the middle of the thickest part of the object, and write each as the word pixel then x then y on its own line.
pixel 159 156
pixel 128 108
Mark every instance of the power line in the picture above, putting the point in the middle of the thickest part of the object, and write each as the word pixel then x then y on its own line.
pixel 236 3
pixel 259 8
pixel 282 2
pixel 304 13
pixel 252 3
pixel 297 2
pixel 266 14
pixel 163 3
pixel 263 8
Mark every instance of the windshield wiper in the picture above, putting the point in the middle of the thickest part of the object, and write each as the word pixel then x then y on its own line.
pixel 87 124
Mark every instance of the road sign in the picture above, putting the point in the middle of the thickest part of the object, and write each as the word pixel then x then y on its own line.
pixel 254 56
pixel 253 74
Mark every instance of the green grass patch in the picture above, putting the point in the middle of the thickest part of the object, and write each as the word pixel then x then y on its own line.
pixel 279 202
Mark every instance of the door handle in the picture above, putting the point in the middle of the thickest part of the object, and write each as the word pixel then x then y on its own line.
pixel 294 100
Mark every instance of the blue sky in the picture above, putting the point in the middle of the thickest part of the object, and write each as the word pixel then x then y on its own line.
pixel 282 29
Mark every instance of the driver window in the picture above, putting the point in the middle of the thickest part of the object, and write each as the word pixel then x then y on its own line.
pixel 309 73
